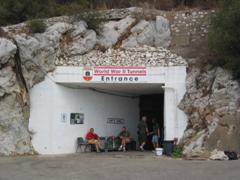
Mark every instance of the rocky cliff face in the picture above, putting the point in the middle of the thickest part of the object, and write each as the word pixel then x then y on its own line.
pixel 212 104
pixel 24 61
pixel 212 99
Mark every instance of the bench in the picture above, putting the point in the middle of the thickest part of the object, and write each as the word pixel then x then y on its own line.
pixel 81 142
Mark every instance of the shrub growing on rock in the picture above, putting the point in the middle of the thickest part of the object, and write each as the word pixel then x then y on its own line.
pixel 36 26
pixel 177 152
pixel 224 37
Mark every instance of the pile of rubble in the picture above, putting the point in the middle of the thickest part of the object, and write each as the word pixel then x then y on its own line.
pixel 142 56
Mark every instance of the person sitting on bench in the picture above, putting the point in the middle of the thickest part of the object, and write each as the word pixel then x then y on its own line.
pixel 124 136
pixel 93 138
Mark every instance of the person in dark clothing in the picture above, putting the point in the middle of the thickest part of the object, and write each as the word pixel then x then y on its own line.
pixel 142 132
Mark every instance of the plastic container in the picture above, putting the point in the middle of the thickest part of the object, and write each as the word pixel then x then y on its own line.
pixel 159 151
pixel 168 147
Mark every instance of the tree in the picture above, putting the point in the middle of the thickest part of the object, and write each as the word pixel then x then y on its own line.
pixel 15 11
pixel 224 38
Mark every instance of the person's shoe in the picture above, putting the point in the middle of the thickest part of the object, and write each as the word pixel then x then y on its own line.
pixel 124 149
pixel 102 150
pixel 141 148
pixel 120 148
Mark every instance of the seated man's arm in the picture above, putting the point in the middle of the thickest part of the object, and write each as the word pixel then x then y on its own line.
pixel 158 132
pixel 120 135
pixel 96 137
pixel 129 135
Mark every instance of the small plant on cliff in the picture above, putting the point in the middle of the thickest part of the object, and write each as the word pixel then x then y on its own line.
pixel 177 152
pixel 94 19
pixel 224 37
pixel 36 26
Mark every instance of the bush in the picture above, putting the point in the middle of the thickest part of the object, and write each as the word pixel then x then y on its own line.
pixel 15 11
pixel 177 152
pixel 94 19
pixel 224 37
pixel 36 26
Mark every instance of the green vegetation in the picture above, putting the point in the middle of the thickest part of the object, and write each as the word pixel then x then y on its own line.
pixel 36 26
pixel 224 37
pixel 15 11
pixel 93 19
pixel 177 153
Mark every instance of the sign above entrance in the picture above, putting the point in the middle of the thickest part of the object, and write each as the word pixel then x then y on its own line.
pixel 116 74
pixel 119 71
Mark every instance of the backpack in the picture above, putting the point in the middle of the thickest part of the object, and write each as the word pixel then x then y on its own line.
pixel 231 155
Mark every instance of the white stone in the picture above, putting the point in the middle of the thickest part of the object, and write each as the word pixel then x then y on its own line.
pixel 113 30
pixel 79 28
pixel 7 50
pixel 81 44
pixel 218 155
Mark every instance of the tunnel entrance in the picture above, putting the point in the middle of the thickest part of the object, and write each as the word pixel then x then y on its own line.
pixel 152 106
pixel 103 98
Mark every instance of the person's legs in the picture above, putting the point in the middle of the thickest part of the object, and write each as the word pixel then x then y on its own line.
pixel 98 146
pixel 155 141
pixel 124 141
pixel 143 141
pixel 95 142
pixel 127 140
pixel 122 144
pixel 142 145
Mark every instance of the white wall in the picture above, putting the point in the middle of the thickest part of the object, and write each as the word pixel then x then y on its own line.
pixel 49 100
pixel 175 120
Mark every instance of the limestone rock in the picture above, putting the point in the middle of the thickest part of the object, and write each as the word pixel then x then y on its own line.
pixel 14 134
pixel 218 155
pixel 163 35
pixel 8 81
pixel 151 33
pixel 79 41
pixel 79 28
pixel 142 34
pixel 7 50
pixel 38 52
pixel 112 30
pixel 211 104
pixel 55 31
pixel 194 148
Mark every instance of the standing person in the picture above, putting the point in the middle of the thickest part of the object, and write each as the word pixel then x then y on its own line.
pixel 155 133
pixel 124 136
pixel 93 138
pixel 142 132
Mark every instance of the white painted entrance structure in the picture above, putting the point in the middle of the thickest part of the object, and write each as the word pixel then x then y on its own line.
pixel 105 98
